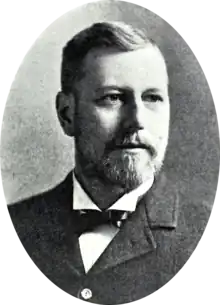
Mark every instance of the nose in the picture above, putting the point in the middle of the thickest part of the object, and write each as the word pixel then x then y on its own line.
pixel 135 115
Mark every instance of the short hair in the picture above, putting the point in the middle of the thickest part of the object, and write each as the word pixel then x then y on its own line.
pixel 118 35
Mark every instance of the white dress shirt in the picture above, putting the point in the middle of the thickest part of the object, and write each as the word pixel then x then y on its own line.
pixel 92 244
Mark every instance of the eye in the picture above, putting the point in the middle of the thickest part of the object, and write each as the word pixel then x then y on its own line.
pixel 112 99
pixel 152 98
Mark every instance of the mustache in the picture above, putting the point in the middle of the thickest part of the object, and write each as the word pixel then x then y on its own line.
pixel 135 140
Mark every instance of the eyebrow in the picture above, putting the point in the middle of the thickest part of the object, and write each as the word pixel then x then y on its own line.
pixel 111 87
pixel 117 88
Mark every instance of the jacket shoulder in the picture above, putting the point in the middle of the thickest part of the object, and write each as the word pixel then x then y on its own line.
pixel 39 207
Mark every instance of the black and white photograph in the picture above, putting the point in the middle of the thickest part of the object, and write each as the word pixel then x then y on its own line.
pixel 110 152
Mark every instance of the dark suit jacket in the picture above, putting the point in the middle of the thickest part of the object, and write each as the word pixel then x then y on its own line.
pixel 146 253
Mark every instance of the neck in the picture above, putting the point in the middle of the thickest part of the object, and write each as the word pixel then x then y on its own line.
pixel 101 191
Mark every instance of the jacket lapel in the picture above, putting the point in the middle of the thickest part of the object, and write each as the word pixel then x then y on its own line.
pixel 162 203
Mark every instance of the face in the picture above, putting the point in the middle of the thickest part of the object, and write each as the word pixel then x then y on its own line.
pixel 122 115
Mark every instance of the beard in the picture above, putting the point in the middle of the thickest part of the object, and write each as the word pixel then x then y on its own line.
pixel 126 168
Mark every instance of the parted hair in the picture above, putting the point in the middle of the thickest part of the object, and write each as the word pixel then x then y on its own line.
pixel 100 35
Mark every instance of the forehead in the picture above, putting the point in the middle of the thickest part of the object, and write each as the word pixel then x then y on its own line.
pixel 139 68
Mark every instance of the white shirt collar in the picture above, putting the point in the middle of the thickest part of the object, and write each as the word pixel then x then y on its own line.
pixel 127 202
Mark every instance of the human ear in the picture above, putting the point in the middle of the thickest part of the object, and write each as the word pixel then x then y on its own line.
pixel 65 106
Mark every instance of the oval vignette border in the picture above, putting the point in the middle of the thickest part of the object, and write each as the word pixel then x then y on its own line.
pixel 4 92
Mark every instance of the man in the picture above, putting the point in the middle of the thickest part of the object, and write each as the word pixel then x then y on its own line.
pixel 108 233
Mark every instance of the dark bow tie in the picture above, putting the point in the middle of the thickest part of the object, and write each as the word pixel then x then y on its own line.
pixel 88 220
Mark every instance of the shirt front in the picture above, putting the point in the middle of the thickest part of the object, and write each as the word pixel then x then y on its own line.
pixel 92 244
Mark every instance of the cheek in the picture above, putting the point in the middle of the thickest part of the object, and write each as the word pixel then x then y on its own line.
pixel 95 127
pixel 160 128
pixel 158 122
pixel 89 140
pixel 108 119
pixel 104 127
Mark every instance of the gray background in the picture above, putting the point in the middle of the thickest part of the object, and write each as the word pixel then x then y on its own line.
pixel 36 155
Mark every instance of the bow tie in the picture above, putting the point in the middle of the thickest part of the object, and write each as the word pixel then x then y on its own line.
pixel 88 220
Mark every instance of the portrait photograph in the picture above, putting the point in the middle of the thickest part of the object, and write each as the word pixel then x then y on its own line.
pixel 109 153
